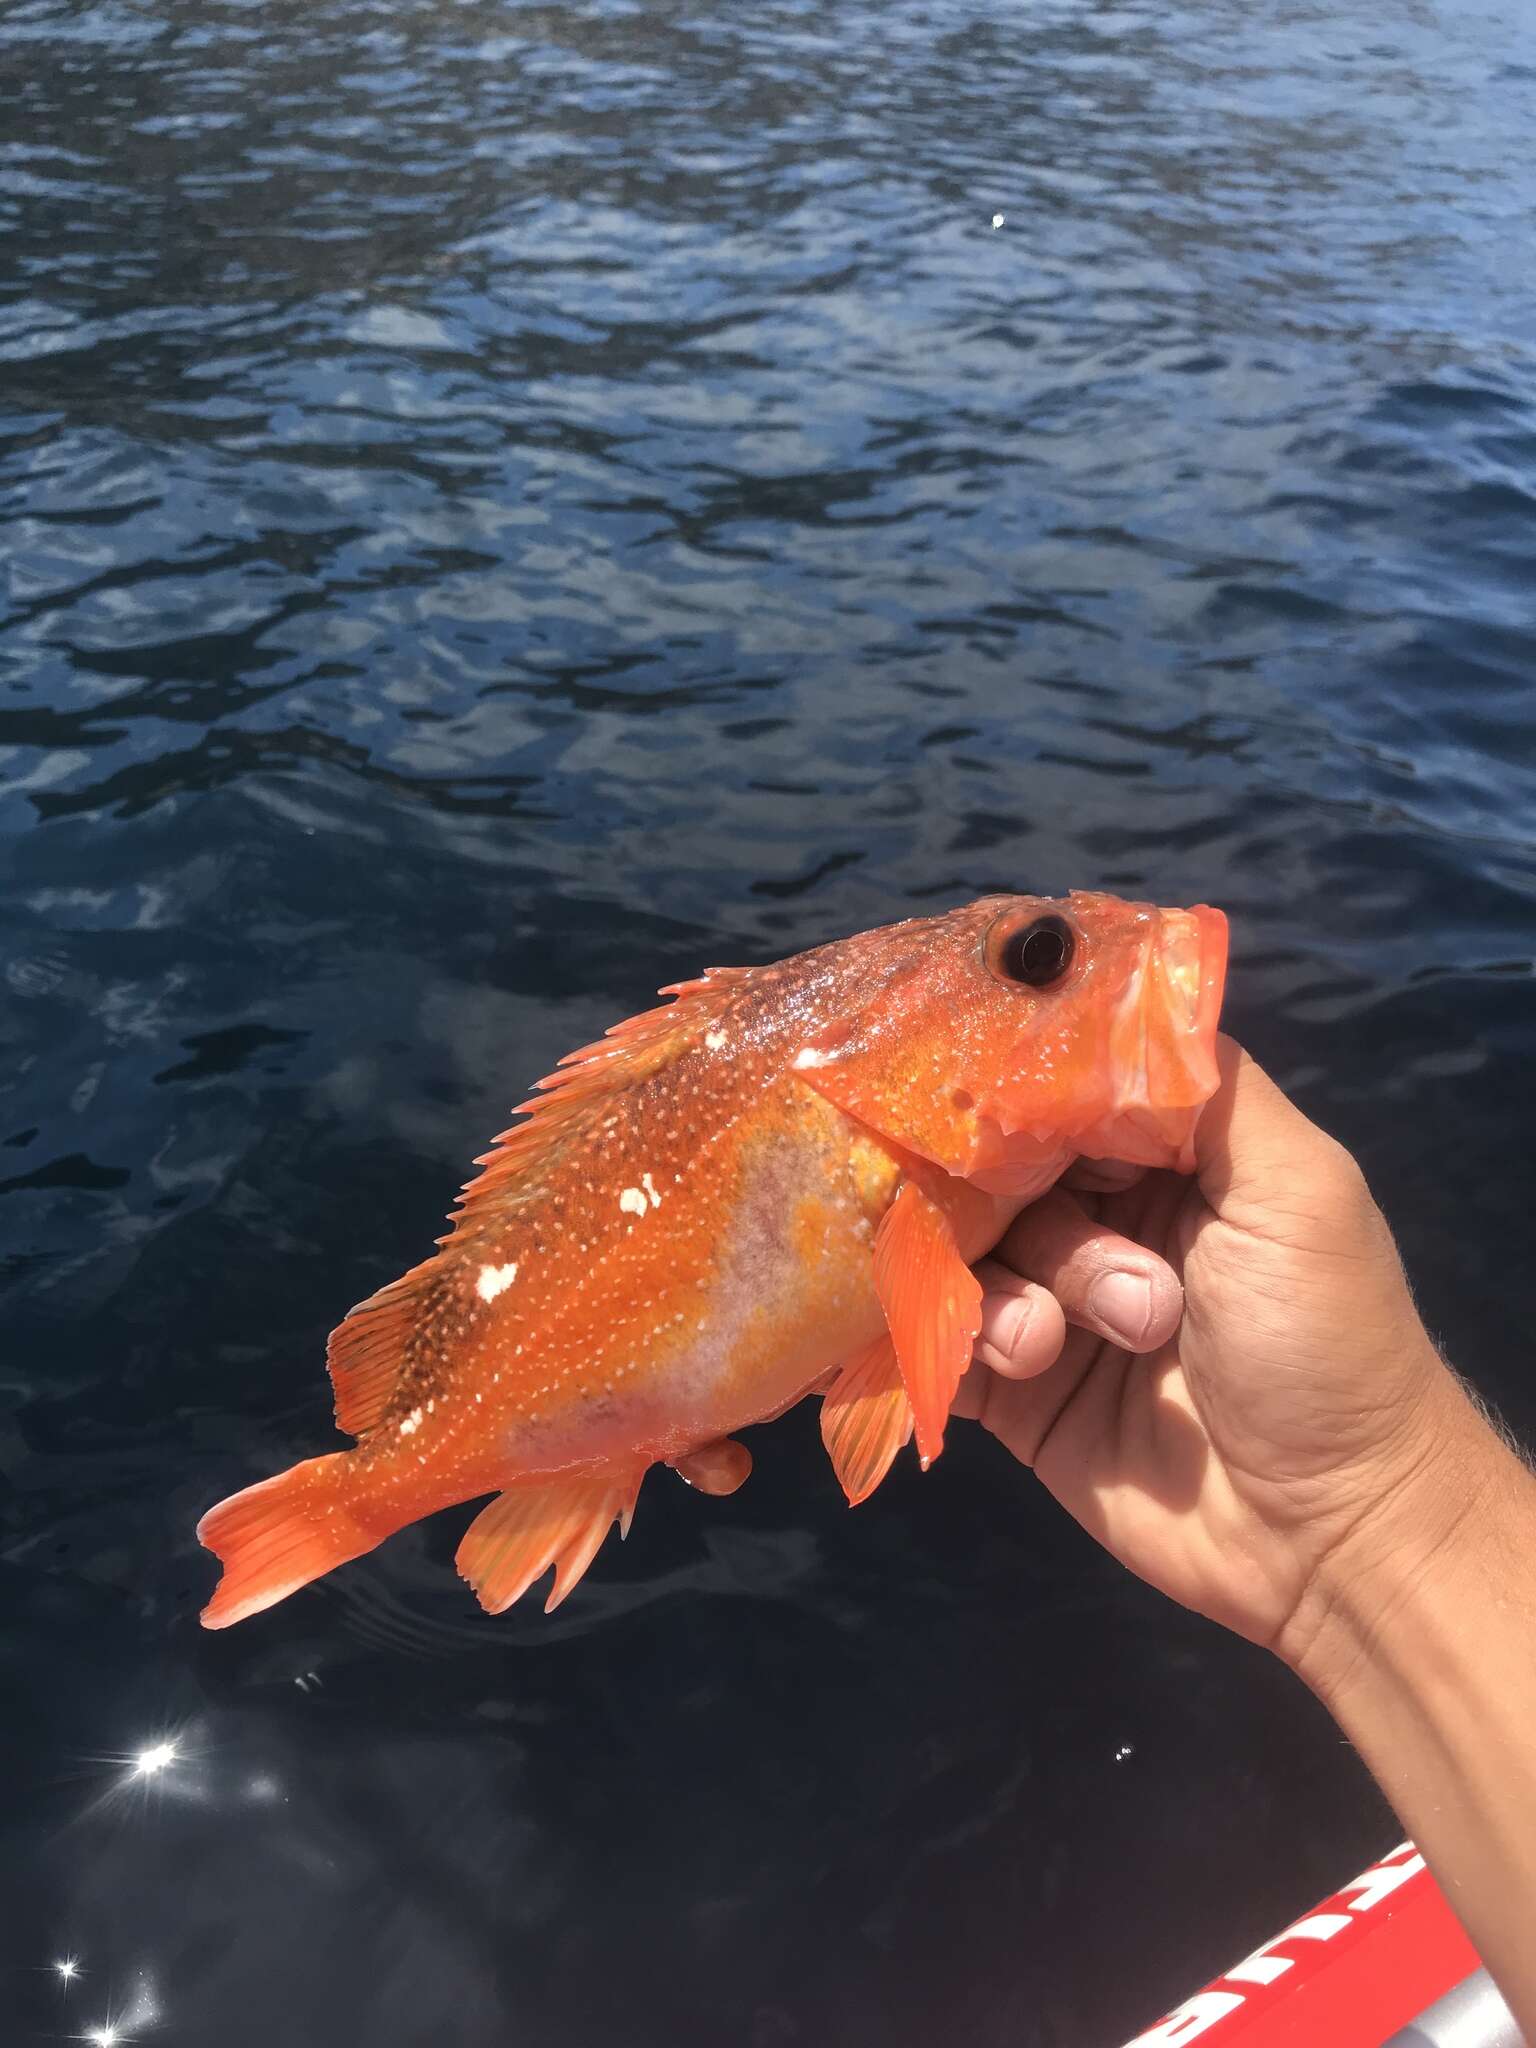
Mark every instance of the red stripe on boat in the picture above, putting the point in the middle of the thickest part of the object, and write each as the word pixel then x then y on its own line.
pixel 1361 1964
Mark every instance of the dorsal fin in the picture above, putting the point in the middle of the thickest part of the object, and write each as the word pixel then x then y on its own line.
pixel 364 1352
pixel 569 1098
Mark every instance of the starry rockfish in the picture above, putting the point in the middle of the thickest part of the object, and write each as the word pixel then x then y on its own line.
pixel 772 1186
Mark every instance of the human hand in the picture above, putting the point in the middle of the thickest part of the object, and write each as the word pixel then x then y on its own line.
pixel 1296 1418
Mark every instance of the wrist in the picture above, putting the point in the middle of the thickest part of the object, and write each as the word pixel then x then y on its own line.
pixel 1420 1639
pixel 1441 1523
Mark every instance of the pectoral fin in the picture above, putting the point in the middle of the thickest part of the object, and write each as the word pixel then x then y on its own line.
pixel 932 1303
pixel 865 1419
pixel 536 1524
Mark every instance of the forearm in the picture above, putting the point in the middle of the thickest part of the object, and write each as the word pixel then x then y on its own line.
pixel 1422 1644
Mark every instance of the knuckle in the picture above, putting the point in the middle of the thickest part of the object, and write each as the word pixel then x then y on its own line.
pixel 1344 1169
pixel 1340 1183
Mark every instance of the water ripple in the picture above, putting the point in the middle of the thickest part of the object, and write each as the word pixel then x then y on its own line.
pixel 498 509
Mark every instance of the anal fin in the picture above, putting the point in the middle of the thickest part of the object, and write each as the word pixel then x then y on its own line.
pixel 539 1523
pixel 932 1303
pixel 865 1419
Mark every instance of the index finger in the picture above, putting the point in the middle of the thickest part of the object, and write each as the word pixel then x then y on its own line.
pixel 1107 1283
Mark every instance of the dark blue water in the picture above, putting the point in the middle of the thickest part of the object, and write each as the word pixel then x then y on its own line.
pixel 504 505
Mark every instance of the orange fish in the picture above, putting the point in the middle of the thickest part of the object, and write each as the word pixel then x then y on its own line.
pixel 773 1186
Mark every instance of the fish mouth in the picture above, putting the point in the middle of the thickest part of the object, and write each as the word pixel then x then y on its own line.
pixel 1189 954
pixel 1163 1043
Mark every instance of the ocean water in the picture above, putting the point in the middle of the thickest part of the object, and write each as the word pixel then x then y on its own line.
pixel 504 505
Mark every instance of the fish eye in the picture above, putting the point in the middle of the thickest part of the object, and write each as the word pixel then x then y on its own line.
pixel 1039 954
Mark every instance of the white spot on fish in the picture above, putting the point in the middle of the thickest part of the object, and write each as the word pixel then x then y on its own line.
pixel 632 1202
pixel 650 1188
pixel 411 1423
pixel 808 1056
pixel 715 1040
pixel 495 1280
pixel 998 219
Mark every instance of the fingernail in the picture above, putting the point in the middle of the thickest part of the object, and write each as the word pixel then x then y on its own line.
pixel 1005 1318
pixel 1123 1304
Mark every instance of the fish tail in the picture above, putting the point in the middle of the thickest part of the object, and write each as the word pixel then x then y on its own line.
pixel 280 1534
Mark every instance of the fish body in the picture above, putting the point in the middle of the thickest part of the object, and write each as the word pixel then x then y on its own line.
pixel 775 1184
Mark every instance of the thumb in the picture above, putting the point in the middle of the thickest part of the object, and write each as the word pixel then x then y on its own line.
pixel 1254 1150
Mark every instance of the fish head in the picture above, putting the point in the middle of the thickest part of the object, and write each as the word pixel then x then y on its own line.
pixel 1003 1039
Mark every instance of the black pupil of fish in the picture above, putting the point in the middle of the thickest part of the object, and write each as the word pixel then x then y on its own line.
pixel 1040 954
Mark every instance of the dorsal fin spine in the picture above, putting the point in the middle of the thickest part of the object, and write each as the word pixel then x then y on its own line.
pixel 366 1350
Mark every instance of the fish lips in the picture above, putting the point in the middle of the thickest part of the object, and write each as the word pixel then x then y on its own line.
pixel 1163 1045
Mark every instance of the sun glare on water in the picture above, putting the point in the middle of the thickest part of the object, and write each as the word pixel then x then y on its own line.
pixel 150 1762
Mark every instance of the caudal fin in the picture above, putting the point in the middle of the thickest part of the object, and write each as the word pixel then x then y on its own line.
pixel 279 1534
